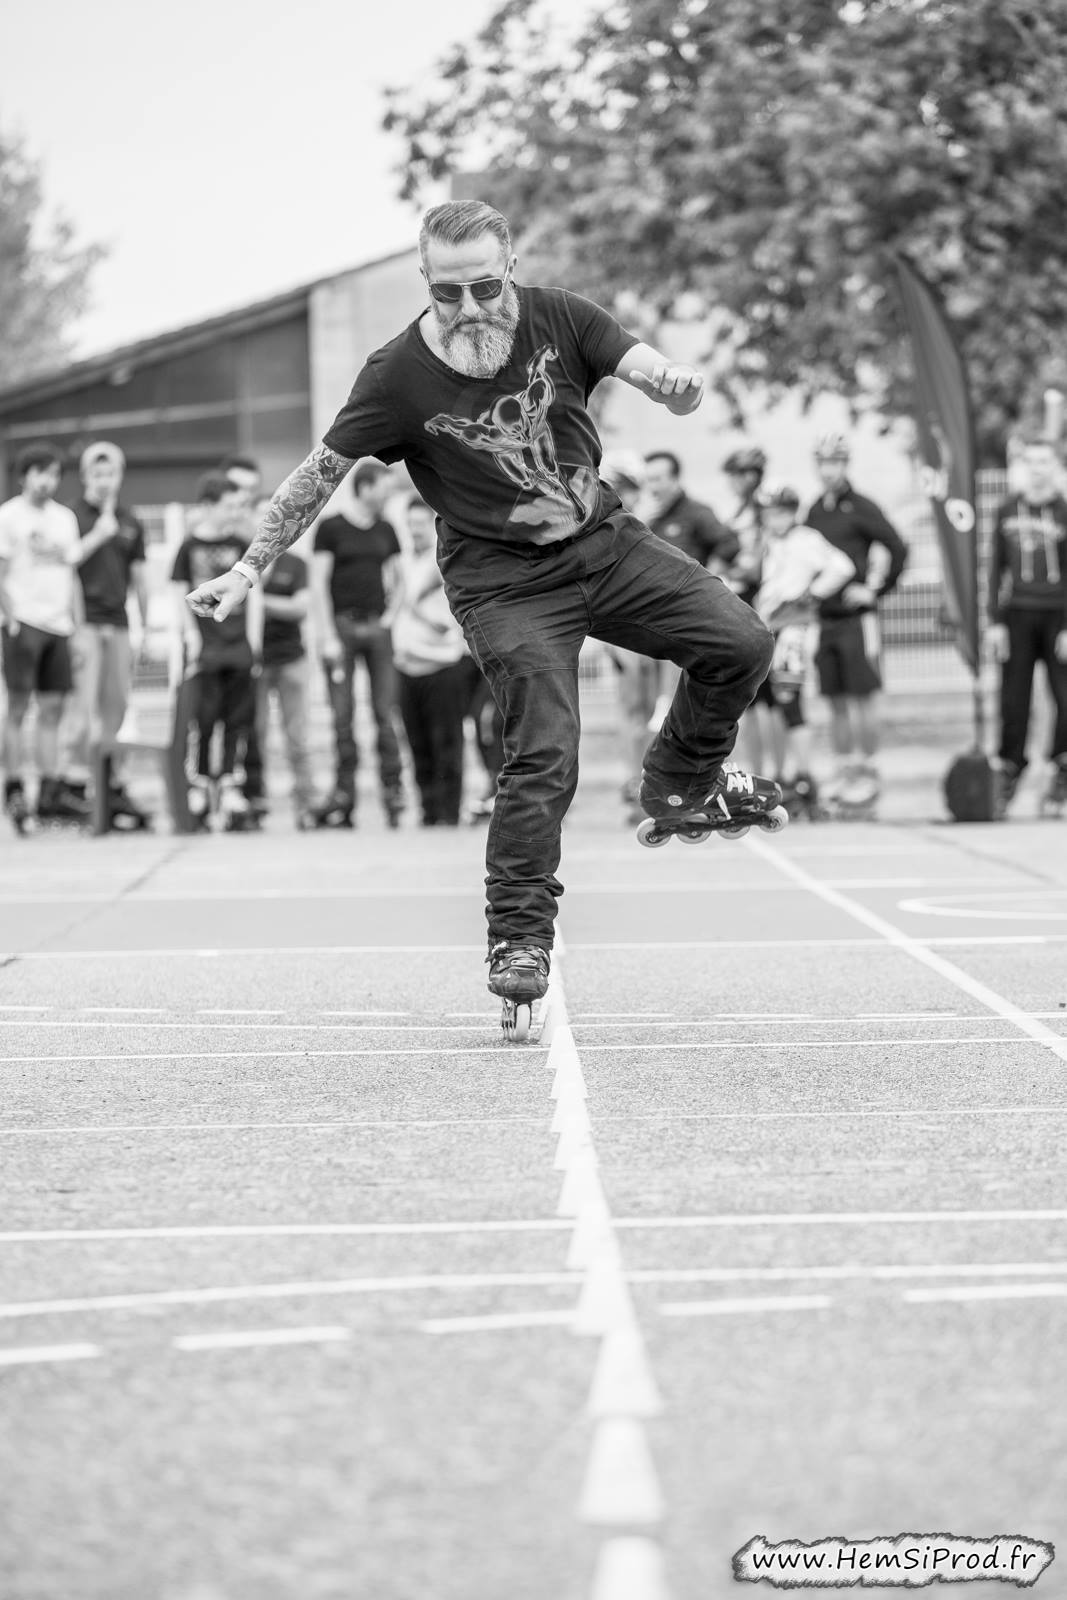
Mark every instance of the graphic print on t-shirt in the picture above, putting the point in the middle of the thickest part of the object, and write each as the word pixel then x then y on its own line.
pixel 515 432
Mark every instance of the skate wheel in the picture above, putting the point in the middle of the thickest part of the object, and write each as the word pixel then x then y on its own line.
pixel 515 1021
pixel 694 835
pixel 775 820
pixel 648 834
pixel 735 830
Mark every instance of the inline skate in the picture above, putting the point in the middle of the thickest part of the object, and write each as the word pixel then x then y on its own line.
pixel 731 804
pixel 518 973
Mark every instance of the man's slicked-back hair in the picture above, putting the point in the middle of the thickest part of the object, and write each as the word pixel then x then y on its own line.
pixel 457 221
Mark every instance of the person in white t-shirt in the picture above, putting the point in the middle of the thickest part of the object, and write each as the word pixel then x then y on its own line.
pixel 429 651
pixel 39 610
pixel 800 568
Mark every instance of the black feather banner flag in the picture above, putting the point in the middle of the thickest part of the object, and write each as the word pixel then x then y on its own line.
pixel 945 430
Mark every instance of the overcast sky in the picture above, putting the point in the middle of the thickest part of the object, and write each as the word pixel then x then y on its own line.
pixel 223 149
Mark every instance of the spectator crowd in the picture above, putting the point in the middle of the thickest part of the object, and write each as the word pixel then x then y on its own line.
pixel 369 595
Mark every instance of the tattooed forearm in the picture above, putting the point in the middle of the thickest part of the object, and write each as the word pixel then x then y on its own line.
pixel 296 505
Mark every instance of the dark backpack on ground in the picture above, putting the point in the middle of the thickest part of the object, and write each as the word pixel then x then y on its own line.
pixel 972 788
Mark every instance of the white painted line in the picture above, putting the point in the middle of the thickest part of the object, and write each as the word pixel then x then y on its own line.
pixel 623 1385
pixel 919 952
pixel 242 952
pixel 972 904
pixel 81 1024
pixel 385 1125
pixel 731 1308
pixel 498 1322
pixel 629 1567
pixel 835 1219
pixel 255 1338
pixel 820 1219
pixel 849 1274
pixel 620 1488
pixel 297 1054
pixel 284 1291
pixel 120 1011
pixel 31 1355
pixel 234 1011
pixel 295 1230
pixel 662 948
pixel 1015 1291
pixel 960 1042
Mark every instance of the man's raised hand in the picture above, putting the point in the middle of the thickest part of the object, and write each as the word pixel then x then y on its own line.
pixel 679 388
pixel 219 597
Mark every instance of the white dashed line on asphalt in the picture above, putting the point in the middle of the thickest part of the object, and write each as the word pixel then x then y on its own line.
pixel 731 1308
pixel 1013 1291
pixel 33 1355
pixel 499 1322
pixel 259 1338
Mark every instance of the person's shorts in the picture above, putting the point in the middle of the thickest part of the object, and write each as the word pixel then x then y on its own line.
pixel 847 658
pixel 36 661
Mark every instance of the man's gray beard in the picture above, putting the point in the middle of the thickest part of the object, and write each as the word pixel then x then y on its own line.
pixel 479 349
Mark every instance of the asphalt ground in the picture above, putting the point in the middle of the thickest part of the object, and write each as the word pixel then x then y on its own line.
pixel 314 1289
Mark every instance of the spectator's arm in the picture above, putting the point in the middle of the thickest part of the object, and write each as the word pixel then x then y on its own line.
pixel 325 626
pixel 880 530
pixel 393 585
pixel 998 558
pixel 291 607
pixel 7 616
pixel 834 574
pixel 254 622
pixel 139 585
pixel 104 529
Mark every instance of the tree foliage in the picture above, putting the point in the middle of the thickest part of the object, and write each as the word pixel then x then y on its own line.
pixel 44 272
pixel 769 159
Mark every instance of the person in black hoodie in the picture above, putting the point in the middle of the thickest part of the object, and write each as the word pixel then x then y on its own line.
pixel 848 650
pixel 1028 612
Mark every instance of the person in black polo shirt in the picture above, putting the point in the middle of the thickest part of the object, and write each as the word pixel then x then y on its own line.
pixel 111 563
pixel 355 575
pixel 847 657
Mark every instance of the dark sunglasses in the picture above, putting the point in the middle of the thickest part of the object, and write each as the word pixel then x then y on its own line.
pixel 481 289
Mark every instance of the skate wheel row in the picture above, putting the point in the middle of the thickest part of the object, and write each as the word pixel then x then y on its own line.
pixel 515 1021
pixel 653 833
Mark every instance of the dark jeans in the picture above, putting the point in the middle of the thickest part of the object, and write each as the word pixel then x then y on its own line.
pixel 482 709
pixel 369 642
pixel 525 627
pixel 432 707
pixel 1031 638
pixel 225 694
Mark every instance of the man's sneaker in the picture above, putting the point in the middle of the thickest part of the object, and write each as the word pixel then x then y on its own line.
pixel 518 971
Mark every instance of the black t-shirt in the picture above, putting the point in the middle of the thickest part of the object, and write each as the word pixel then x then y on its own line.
pixel 853 524
pixel 359 554
pixel 510 458
pixel 198 561
pixel 693 527
pixel 105 575
pixel 283 639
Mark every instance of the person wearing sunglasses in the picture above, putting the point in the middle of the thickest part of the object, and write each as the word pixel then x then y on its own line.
pixel 484 397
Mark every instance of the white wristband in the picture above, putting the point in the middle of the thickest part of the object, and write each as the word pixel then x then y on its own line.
pixel 246 572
